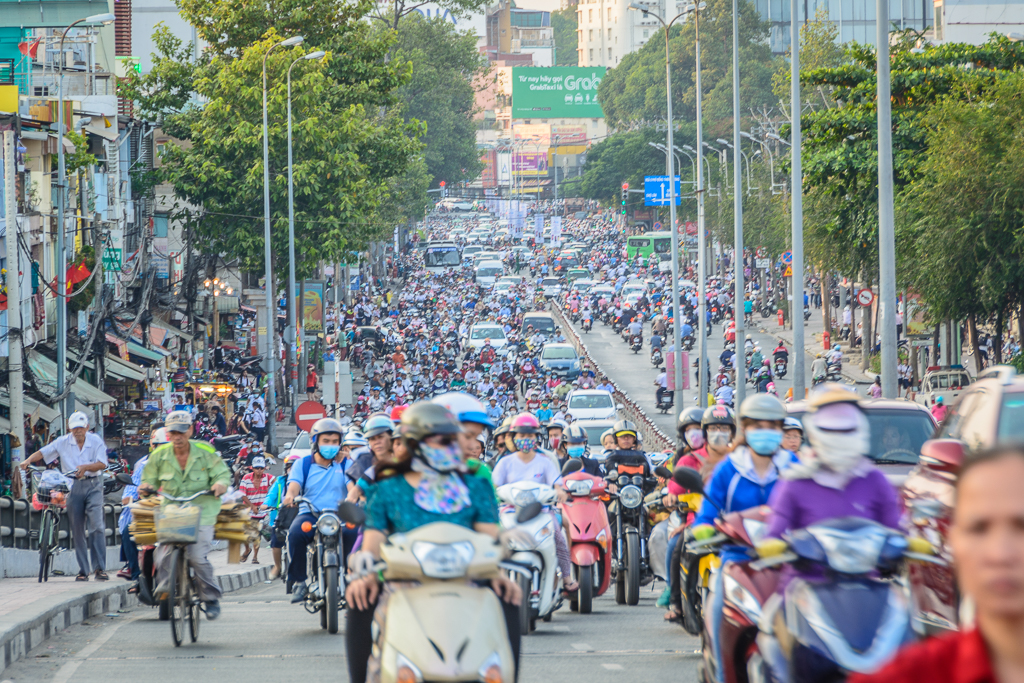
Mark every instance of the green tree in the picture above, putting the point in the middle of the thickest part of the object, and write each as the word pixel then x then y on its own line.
pixel 564 24
pixel 440 93
pixel 819 49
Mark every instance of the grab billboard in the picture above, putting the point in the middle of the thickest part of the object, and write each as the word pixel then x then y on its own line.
pixel 555 92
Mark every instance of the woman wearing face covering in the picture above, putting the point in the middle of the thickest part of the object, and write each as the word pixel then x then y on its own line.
pixel 743 480
pixel 435 489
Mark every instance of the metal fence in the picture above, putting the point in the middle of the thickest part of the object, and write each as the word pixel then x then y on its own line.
pixel 653 438
pixel 19 525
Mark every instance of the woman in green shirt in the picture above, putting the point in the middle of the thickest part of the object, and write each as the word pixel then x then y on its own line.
pixel 435 489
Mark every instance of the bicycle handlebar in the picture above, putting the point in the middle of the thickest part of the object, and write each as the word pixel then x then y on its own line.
pixel 186 499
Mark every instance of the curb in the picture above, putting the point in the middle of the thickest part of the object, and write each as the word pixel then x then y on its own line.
pixel 18 639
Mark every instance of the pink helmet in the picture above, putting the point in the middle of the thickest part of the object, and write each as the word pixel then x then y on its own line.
pixel 525 423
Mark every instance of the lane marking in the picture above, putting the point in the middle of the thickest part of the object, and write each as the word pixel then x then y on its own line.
pixel 65 673
pixel 585 647
pixel 612 667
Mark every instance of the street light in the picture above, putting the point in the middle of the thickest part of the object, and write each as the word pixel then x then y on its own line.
pixel 773 136
pixel 62 266
pixel 669 156
pixel 693 166
pixel 213 289
pixel 292 315
pixel 771 159
pixel 268 272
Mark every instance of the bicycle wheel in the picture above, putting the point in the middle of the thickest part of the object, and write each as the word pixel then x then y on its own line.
pixel 193 604
pixel 177 596
pixel 47 531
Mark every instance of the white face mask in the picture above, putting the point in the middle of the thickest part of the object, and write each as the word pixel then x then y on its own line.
pixel 840 451
pixel 695 438
pixel 719 439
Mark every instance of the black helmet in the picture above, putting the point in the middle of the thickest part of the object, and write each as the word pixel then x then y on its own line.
pixel 717 415
pixel 623 427
pixel 691 416
pixel 424 419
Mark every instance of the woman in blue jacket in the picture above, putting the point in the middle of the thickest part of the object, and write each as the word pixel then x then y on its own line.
pixel 742 481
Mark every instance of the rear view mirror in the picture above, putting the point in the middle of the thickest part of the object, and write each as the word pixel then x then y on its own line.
pixel 618 406
pixel 288 445
pixel 943 454
pixel 662 472
pixel 528 512
pixel 689 479
pixel 350 513
pixel 574 465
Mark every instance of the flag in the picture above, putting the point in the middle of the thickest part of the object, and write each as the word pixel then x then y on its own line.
pixel 76 273
pixel 30 49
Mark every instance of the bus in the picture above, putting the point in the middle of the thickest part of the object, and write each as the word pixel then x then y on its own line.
pixel 647 244
pixel 441 256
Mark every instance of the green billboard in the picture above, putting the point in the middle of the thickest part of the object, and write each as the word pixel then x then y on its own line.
pixel 556 92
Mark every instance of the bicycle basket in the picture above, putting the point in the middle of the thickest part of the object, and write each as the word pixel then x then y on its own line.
pixel 43 497
pixel 176 524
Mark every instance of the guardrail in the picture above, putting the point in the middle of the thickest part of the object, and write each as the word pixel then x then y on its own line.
pixel 653 438
pixel 19 525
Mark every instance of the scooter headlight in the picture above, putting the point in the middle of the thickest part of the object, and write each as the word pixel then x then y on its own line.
pixel 406 671
pixel 631 496
pixel 580 487
pixel 524 498
pixel 328 525
pixel 490 670
pixel 742 598
pixel 443 561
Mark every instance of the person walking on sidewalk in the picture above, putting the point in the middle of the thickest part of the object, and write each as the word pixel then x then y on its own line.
pixel 254 487
pixel 86 454
pixel 311 382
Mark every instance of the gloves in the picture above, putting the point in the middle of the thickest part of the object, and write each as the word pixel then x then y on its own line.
pixel 362 562
pixel 771 547
pixel 916 544
pixel 702 532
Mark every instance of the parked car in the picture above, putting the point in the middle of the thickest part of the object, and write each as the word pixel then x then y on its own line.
pixel 592 404
pixel 988 413
pixel 947 381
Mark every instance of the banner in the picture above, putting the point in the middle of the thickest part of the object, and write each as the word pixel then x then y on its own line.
pixel 538 227
pixel 537 133
pixel 556 92
pixel 556 229
pixel 530 163
pixel 562 135
pixel 312 306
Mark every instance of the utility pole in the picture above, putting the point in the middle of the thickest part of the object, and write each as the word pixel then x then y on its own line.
pixel 14 361
pixel 796 307
pixel 886 227
pixel 737 198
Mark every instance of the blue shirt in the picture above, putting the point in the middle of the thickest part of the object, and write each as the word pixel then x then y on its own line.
pixel 544 414
pixel 131 492
pixel 325 486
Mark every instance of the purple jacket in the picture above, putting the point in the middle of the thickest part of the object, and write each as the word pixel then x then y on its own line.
pixel 798 503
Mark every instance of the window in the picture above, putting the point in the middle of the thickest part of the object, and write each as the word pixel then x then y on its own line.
pixel 558 353
pixel 609 34
pixel 591 34
pixel 591 54
pixel 646 33
pixel 487 333
pixel 590 15
pixel 609 54
pixel 609 14
pixel 591 401
pixel 41 91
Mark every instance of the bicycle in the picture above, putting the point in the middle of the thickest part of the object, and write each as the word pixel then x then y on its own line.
pixel 50 498
pixel 181 529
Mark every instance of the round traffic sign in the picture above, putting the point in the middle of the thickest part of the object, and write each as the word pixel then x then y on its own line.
pixel 657 226
pixel 787 257
pixel 307 413
pixel 865 297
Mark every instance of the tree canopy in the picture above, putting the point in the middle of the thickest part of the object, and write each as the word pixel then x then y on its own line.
pixel 564 24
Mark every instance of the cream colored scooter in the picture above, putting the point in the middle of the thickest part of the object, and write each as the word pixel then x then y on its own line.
pixel 442 626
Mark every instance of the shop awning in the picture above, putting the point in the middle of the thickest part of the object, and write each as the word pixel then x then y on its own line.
pixel 122 369
pixel 171 329
pixel 45 371
pixel 45 412
pixel 151 355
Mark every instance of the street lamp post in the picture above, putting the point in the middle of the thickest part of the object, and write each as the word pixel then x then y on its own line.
pixel 677 343
pixel 213 288
pixel 693 166
pixel 796 308
pixel 292 314
pixel 886 220
pixel 61 298
pixel 268 271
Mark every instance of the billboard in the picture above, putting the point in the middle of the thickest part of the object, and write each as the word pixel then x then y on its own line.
pixel 551 92
pixel 569 134
pixel 537 133
pixel 530 163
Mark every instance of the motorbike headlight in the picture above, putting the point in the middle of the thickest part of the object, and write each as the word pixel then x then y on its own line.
pixel 742 598
pixel 631 496
pixel 623 480
pixel 490 670
pixel 406 671
pixel 443 561
pixel 328 525
pixel 523 498
pixel 580 488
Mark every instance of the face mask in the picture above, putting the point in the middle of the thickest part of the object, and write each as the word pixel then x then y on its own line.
pixel 839 451
pixel 719 439
pixel 576 451
pixel 695 438
pixel 328 451
pixel 442 458
pixel 764 441
pixel 555 441
pixel 527 444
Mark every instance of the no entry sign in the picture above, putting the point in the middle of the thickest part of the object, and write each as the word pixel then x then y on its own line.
pixel 865 297
pixel 307 413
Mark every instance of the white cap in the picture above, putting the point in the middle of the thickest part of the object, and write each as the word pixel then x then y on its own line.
pixel 78 419
pixel 259 461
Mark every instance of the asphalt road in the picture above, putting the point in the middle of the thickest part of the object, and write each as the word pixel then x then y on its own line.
pixel 261 637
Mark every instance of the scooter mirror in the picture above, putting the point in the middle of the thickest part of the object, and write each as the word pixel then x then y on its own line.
pixel 123 478
pixel 662 472
pixel 574 465
pixel 689 479
pixel 528 512
pixel 351 513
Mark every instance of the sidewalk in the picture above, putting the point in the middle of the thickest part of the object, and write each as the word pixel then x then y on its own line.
pixel 813 331
pixel 30 612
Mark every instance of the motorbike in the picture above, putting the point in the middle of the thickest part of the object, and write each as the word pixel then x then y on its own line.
pixel 834 371
pixel 435 574
pixel 767 309
pixel 115 466
pixel 537 563
pixel 588 324
pixel 656 358
pixel 326 592
pixel 665 401
pixel 855 619
pixel 807 313
pixel 590 534
pixel 688 342
pixel 636 343
pixel 630 562
pixel 780 368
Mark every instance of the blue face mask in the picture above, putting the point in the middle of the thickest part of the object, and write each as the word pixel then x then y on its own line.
pixel 576 450
pixel 328 451
pixel 764 441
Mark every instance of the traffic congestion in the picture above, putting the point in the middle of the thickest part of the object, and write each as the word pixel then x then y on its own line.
pixel 495 480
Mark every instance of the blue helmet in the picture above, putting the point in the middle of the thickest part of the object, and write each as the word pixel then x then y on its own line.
pixel 465 408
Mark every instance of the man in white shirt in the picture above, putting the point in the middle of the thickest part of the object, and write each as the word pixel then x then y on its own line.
pixel 84 453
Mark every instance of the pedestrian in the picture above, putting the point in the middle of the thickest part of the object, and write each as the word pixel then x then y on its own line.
pixel 311 382
pixel 84 453
pixel 258 418
pixel 218 422
pixel 988 554
pixel 875 390
pixel 254 487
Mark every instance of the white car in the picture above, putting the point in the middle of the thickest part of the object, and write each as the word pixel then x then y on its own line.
pixel 592 404
pixel 488 272
pixel 483 331
pixel 300 446
pixel 502 287
pixel 551 286
pixel 607 291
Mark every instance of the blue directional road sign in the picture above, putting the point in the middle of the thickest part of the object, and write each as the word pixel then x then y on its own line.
pixel 656 190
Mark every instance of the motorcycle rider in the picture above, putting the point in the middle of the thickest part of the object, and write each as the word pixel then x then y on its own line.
pixel 792 434
pixel 576 448
pixel 819 369
pixel 320 478
pixel 834 479
pixel 742 481
pixel 781 353
pixel 555 432
pixel 433 490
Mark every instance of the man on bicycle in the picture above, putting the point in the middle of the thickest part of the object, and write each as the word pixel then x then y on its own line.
pixel 181 469
pixel 322 480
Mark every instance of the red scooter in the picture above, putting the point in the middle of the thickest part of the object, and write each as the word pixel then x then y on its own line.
pixel 590 534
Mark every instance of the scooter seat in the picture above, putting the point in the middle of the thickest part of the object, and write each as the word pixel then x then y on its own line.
pixel 226 440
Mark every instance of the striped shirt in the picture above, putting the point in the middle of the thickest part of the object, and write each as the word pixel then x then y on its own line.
pixel 256 494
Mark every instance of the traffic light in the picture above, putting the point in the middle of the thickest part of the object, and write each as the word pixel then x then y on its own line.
pixel 444 193
pixel 625 194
